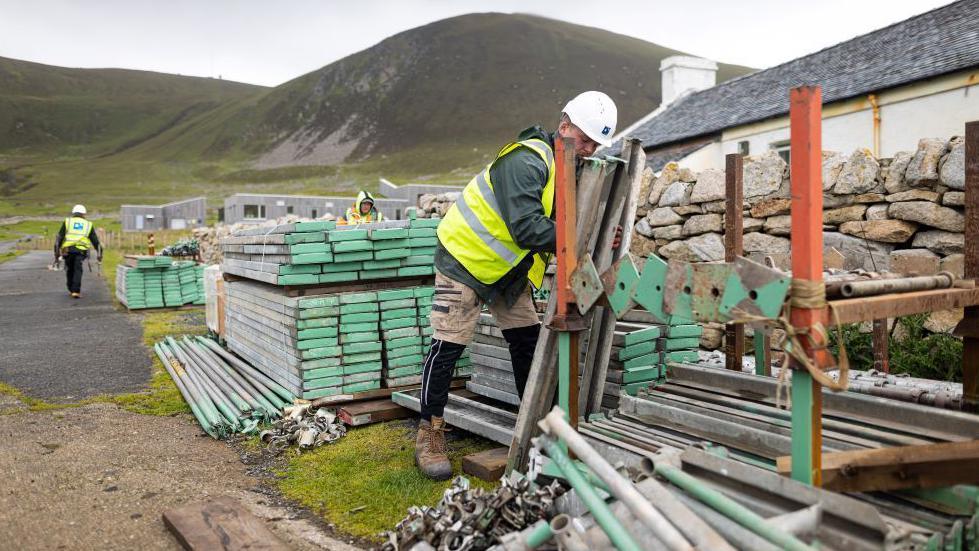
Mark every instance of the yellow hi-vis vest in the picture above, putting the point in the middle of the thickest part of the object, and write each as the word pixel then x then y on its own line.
pixel 76 233
pixel 475 234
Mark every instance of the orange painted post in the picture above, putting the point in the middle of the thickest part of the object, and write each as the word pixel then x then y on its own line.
pixel 566 222
pixel 805 117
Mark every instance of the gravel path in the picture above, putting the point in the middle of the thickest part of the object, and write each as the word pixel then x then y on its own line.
pixel 99 477
pixel 64 349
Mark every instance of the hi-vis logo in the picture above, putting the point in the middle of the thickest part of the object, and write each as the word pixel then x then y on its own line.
pixel 605 131
pixel 77 226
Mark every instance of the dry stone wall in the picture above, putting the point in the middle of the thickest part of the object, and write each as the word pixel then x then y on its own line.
pixel 903 214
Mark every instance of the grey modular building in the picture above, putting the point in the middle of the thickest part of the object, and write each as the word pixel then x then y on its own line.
pixel 257 207
pixel 178 215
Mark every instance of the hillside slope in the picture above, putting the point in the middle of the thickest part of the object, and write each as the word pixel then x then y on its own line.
pixel 48 110
pixel 466 82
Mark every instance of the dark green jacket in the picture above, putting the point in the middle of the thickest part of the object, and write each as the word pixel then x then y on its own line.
pixel 518 180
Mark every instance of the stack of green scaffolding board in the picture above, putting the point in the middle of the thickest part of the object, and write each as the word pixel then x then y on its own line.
pixel 322 253
pixel 326 344
pixel 407 335
pixel 159 282
pixel 644 353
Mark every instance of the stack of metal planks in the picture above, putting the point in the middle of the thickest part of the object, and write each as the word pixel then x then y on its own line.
pixel 311 253
pixel 492 374
pixel 158 282
pixel 640 355
pixel 326 344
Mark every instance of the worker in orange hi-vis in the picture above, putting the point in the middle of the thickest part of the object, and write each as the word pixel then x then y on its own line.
pixel 363 211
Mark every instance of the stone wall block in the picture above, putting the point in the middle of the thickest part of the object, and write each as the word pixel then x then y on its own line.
pixel 859 174
pixel 885 231
pixel 858 252
pixel 952 171
pixel 663 216
pixel 763 174
pixel 833 162
pixel 894 177
pixel 700 248
pixel 702 223
pixel 669 175
pixel 710 186
pixel 676 194
pixel 915 261
pixel 844 214
pixel 929 214
pixel 941 242
pixel 923 167
pixel 764 243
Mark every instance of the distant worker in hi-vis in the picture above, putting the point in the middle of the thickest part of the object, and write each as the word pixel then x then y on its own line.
pixel 363 211
pixel 494 244
pixel 75 239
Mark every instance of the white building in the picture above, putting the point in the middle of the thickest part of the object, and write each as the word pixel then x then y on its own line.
pixel 883 91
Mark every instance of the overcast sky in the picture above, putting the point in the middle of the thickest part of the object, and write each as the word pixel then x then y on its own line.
pixel 271 41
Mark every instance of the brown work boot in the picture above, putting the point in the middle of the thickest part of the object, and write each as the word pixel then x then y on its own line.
pixel 430 450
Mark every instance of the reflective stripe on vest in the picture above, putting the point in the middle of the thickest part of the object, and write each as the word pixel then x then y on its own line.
pixel 474 232
pixel 76 233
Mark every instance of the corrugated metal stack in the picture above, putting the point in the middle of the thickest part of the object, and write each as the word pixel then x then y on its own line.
pixel 310 253
pixel 158 282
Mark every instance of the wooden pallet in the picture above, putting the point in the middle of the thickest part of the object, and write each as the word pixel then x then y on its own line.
pixel 378 393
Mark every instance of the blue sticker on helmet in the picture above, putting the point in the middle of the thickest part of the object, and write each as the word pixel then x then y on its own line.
pixel 605 131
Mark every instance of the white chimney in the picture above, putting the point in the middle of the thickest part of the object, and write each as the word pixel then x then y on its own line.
pixel 681 73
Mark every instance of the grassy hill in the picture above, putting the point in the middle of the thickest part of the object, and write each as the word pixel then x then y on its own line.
pixel 64 112
pixel 432 102
pixel 468 81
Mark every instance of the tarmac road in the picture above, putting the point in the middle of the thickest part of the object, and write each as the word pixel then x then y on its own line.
pixel 61 349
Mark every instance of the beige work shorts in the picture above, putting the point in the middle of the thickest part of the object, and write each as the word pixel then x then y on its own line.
pixel 456 308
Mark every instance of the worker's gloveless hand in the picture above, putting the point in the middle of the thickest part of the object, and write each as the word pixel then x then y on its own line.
pixel 99 258
pixel 617 240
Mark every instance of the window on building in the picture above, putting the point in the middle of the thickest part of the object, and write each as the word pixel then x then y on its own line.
pixel 251 211
pixel 290 209
pixel 315 214
pixel 262 211
pixel 744 148
pixel 782 148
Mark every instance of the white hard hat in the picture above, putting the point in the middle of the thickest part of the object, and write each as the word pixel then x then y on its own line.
pixel 79 209
pixel 595 114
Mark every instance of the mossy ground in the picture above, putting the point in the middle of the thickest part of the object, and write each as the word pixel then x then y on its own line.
pixel 10 255
pixel 365 483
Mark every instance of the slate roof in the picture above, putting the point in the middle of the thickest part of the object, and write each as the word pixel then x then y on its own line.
pixel 941 41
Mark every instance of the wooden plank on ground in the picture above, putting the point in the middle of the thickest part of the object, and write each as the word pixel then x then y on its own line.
pixel 372 411
pixel 221 523
pixel 884 469
pixel 487 465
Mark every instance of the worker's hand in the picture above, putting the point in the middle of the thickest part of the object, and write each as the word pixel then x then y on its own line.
pixel 617 240
pixel 99 257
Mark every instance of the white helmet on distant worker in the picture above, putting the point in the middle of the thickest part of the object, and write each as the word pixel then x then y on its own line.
pixel 79 209
pixel 595 114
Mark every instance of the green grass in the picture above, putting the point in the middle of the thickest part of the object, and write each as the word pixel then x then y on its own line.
pixel 162 397
pixel 30 403
pixel 919 354
pixel 371 467
pixel 10 255
pixel 48 227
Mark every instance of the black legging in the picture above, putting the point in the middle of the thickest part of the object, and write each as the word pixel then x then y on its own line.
pixel 73 270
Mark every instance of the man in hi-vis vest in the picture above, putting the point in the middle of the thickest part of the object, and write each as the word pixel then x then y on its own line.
pixel 493 245
pixel 75 238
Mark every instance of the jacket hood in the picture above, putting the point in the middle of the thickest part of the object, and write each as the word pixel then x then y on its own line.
pixel 536 132
pixel 364 196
